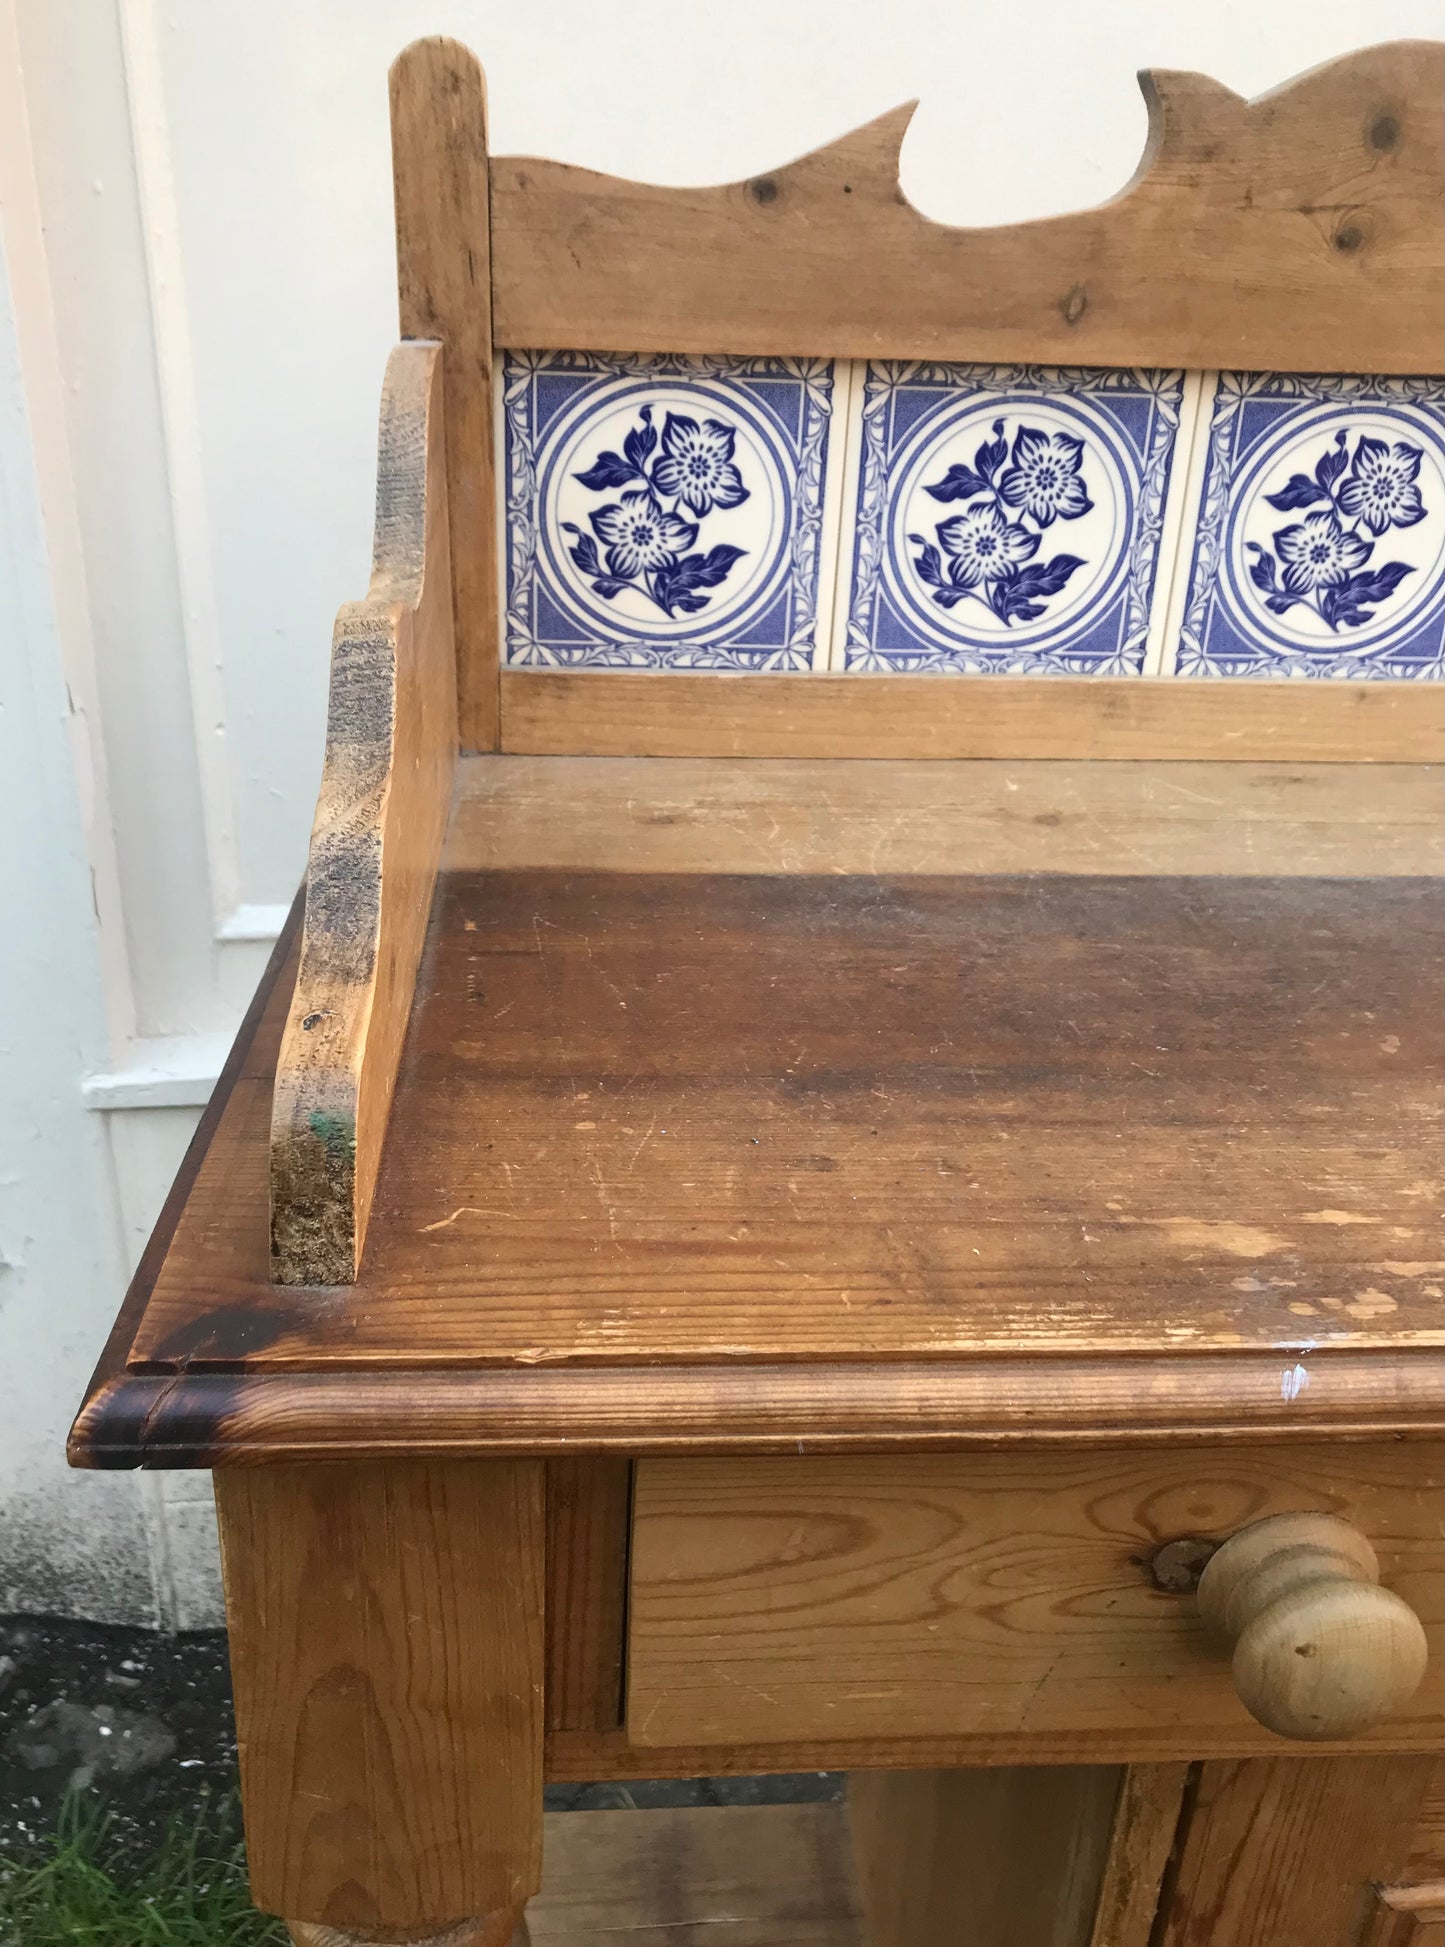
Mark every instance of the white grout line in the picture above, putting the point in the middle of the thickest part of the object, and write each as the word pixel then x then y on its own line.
pixel 847 512
pixel 1176 537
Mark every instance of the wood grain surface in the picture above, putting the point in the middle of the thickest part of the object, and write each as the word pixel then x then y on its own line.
pixel 1012 1857
pixel 589 1512
pixel 163 1418
pixel 252 1055
pixel 662 1117
pixel 494 1930
pixel 1297 232
pixel 813 815
pixel 444 283
pixel 1407 1916
pixel 918 1595
pixel 650 713
pixel 1295 1315
pixel 1427 1850
pixel 1146 1819
pixel 729 1876
pixel 1282 1850
pixel 380 818
pixel 582 1756
pixel 386 1653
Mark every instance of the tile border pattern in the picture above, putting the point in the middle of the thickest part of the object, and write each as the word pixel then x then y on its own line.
pixel 1211 472
pixel 814 453
pixel 841 479
pixel 861 576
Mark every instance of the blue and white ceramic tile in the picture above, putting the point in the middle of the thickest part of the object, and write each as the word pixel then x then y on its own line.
pixel 1007 518
pixel 667 512
pixel 1315 539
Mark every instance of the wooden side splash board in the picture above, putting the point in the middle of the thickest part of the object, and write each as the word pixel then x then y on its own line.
pixel 391 741
pixel 1297 232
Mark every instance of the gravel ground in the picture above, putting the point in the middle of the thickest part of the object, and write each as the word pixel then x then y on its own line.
pixel 146 1720
pixel 68 1691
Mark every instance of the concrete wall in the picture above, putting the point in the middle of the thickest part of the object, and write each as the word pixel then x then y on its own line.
pixel 198 300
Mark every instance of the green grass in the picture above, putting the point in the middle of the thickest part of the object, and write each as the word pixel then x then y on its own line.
pixel 79 1888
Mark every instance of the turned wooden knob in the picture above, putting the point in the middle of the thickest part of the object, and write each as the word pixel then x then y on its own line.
pixel 1320 1649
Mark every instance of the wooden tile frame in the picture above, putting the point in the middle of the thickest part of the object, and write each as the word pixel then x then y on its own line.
pixel 1296 232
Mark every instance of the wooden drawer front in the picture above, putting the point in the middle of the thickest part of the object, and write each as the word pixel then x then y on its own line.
pixel 1003 1595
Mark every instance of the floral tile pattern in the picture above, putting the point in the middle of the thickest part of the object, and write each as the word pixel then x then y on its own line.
pixel 1315 543
pixel 667 512
pixel 1008 519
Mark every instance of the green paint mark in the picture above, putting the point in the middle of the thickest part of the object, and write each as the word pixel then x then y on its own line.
pixel 337 1135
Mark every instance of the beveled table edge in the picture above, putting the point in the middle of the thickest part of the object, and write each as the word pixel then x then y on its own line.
pixel 208 1419
pixel 110 1368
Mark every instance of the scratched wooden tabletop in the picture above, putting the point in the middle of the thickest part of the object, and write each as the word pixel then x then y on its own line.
pixel 739 1122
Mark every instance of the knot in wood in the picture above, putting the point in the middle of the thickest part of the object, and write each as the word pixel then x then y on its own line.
pixel 1178 1565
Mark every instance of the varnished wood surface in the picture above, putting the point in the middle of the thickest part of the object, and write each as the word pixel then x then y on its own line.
pixel 1006 1856
pixel 1294 1313
pixel 674 1118
pixel 162 1418
pixel 444 286
pixel 627 713
pixel 252 1053
pixel 1285 1850
pixel 1296 232
pixel 920 1595
pixel 812 815
pixel 386 785
pixel 582 1756
pixel 386 1653
pixel 589 1511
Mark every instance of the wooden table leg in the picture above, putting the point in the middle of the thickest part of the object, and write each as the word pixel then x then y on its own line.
pixel 386 1624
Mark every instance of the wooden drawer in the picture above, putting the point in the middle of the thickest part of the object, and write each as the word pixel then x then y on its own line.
pixel 1003 1596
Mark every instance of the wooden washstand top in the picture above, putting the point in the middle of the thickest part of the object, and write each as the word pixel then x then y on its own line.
pixel 784 1061
pixel 754 1104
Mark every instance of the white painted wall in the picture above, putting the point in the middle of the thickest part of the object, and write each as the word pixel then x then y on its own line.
pixel 196 212
pixel 60 1257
